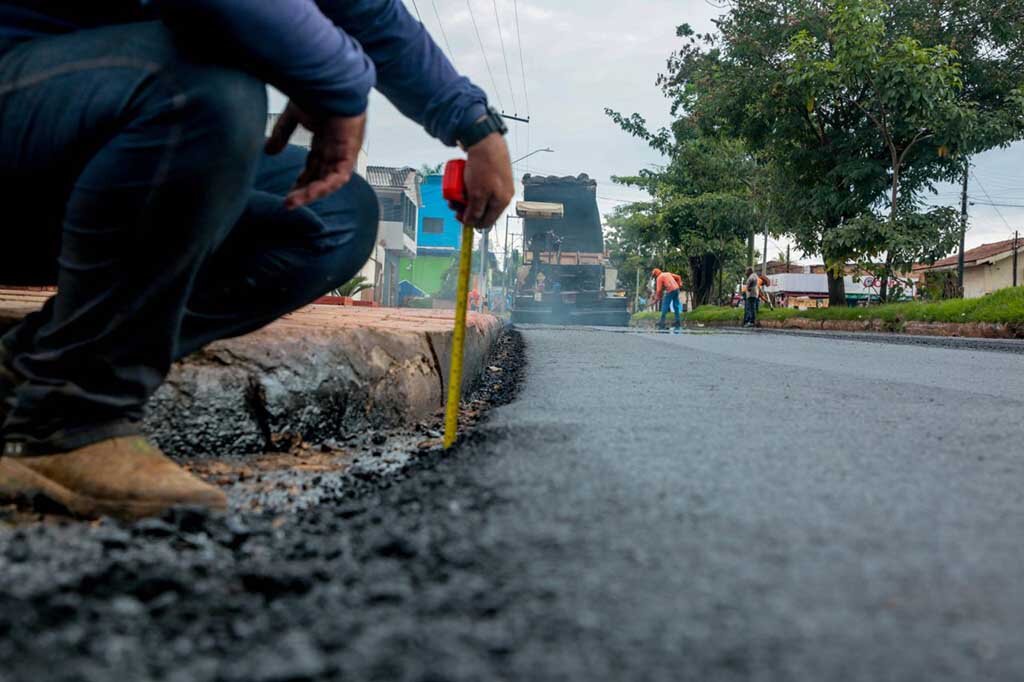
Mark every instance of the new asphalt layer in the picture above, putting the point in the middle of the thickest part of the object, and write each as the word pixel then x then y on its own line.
pixel 701 506
pixel 719 506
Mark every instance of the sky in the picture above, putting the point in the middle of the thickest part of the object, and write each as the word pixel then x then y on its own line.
pixel 581 56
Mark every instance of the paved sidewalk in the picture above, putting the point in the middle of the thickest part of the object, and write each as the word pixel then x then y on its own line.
pixel 322 372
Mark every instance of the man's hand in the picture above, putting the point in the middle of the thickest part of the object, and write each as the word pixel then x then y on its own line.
pixel 332 156
pixel 489 184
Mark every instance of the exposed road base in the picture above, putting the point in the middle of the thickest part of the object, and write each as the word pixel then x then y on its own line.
pixel 330 591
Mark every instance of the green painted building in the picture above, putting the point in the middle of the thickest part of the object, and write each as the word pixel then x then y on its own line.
pixel 426 270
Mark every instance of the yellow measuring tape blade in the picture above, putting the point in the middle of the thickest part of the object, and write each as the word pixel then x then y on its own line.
pixel 451 412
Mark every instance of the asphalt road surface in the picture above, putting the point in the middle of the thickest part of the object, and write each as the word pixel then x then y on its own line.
pixel 702 506
pixel 756 506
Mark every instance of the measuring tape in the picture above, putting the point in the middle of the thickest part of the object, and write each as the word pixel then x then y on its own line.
pixel 453 188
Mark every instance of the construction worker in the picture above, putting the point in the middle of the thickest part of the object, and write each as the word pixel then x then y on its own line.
pixel 751 296
pixel 666 295
pixel 134 175
pixel 762 296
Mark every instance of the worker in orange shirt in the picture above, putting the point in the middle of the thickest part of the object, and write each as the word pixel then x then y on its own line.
pixel 666 295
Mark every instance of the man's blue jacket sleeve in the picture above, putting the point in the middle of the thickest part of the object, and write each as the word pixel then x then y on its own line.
pixel 327 54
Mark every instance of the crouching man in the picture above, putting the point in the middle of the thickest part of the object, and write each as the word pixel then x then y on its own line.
pixel 134 176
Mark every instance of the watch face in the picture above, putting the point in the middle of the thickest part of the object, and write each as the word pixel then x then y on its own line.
pixel 493 123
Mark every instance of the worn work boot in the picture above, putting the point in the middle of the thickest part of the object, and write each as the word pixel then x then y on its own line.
pixel 127 478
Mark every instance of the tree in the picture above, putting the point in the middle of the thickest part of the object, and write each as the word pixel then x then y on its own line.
pixel 909 95
pixel 704 206
pixel 800 80
pixel 905 240
pixel 988 36
pixel 427 169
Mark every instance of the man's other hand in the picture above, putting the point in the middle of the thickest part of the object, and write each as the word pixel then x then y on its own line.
pixel 332 155
pixel 489 184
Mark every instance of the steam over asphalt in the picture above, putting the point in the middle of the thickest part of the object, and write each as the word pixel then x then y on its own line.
pixel 720 506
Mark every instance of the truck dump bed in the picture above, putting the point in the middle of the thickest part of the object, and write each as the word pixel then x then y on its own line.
pixel 562 280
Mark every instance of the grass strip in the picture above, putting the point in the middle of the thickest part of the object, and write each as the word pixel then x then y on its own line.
pixel 1004 305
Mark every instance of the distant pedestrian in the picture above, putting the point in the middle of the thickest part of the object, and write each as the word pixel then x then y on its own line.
pixel 666 294
pixel 751 292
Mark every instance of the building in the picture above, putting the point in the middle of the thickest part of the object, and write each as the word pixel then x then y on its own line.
pixel 986 268
pixel 778 267
pixel 810 290
pixel 398 193
pixel 438 242
pixel 438 238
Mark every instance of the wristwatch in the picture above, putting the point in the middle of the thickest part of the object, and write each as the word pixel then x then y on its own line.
pixel 491 122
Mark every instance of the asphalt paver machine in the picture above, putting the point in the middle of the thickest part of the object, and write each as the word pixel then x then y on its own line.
pixel 565 277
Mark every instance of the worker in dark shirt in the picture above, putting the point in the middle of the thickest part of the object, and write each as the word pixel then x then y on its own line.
pixel 135 177
pixel 751 297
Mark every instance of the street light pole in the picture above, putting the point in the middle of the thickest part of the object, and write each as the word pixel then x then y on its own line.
pixel 636 292
pixel 963 230
pixel 507 216
pixel 535 151
pixel 483 269
pixel 1016 236
pixel 508 259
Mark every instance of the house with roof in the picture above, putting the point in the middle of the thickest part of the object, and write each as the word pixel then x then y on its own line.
pixel 398 193
pixel 438 239
pixel 987 268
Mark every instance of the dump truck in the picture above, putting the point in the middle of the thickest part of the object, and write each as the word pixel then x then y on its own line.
pixel 565 277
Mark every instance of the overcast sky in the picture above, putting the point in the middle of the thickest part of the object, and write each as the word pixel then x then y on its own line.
pixel 584 55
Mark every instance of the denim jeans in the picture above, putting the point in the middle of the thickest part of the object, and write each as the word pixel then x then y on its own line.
pixel 132 177
pixel 669 301
pixel 750 305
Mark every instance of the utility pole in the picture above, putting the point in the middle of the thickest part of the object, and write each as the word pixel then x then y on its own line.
pixel 1016 236
pixel 483 269
pixel 764 256
pixel 636 292
pixel 963 230
pixel 787 259
pixel 507 216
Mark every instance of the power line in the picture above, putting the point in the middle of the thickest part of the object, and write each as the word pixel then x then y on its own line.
pixel 522 62
pixel 622 201
pixel 986 203
pixel 992 203
pixel 504 56
pixel 444 35
pixel 487 63
pixel 522 71
pixel 416 7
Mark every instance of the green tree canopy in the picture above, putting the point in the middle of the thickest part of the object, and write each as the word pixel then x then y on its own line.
pixel 705 203
pixel 852 101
